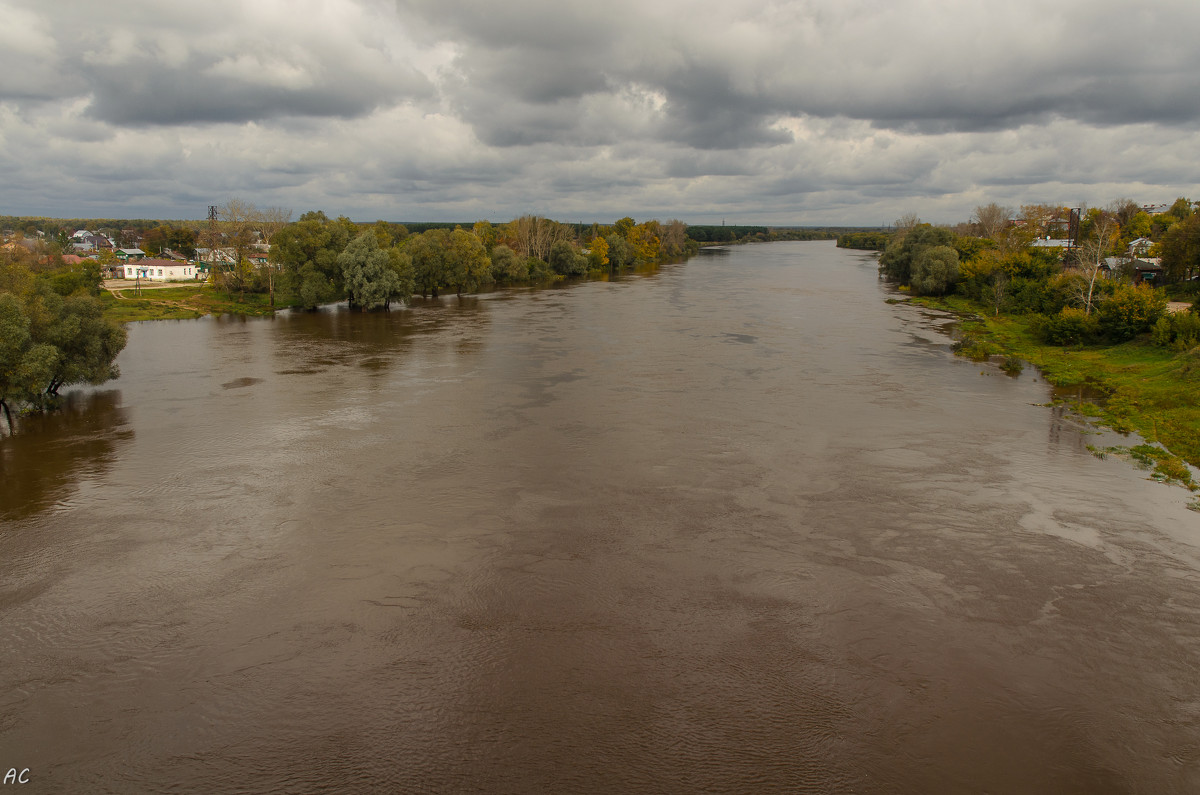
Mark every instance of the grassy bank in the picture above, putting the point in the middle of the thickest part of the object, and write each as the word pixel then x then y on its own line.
pixel 1138 387
pixel 177 303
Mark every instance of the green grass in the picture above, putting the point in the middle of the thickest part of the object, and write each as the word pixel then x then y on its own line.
pixel 189 301
pixel 126 311
pixel 1143 387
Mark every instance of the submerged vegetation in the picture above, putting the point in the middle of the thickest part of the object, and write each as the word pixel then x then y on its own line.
pixel 1081 320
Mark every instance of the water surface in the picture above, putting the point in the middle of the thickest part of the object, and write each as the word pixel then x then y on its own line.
pixel 737 525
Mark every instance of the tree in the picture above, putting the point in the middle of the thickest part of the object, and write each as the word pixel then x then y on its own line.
pixel 306 253
pixel 16 356
pixel 469 264
pixel 533 235
pixel 1036 217
pixel 431 265
pixel 486 234
pixel 507 267
pixel 267 223
pixel 991 219
pixel 998 289
pixel 313 287
pixel 1181 250
pixel 644 241
pixel 367 270
pixel 48 342
pixel 566 260
pixel 1181 208
pixel 935 270
pixel 598 257
pixel 1102 234
pixel 1124 210
pixel 1130 310
pixel 898 259
pixel 87 344
pixel 1139 225
pixel 673 239
pixel 237 220
pixel 620 253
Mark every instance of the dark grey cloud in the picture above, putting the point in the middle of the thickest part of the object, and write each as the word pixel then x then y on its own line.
pixel 139 91
pixel 166 64
pixel 727 71
pixel 795 109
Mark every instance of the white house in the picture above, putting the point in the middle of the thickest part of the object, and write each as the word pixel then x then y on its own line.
pixel 159 270
pixel 1140 246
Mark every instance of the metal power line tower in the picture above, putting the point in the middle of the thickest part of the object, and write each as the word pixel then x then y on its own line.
pixel 212 240
pixel 1075 218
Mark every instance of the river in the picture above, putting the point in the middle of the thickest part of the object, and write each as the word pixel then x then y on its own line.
pixel 736 525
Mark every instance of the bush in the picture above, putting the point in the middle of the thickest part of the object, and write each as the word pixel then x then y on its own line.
pixel 507 267
pixel 1130 311
pixel 1180 331
pixel 935 270
pixel 539 270
pixel 566 260
pixel 898 260
pixel 1069 327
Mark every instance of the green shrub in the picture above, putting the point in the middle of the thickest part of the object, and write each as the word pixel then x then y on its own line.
pixel 1069 327
pixel 1180 331
pixel 1130 311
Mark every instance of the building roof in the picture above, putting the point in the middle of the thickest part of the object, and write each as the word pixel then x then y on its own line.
pixel 159 263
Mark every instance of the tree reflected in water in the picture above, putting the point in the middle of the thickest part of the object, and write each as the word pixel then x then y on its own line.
pixel 47 455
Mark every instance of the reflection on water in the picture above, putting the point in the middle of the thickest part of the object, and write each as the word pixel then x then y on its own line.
pixel 50 456
pixel 733 525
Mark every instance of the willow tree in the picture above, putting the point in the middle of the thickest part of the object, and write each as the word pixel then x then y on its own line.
pixel 48 342
pixel 370 277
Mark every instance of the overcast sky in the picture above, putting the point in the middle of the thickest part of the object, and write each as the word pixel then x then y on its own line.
pixel 805 112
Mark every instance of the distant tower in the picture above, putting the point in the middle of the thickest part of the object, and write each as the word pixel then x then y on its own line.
pixel 212 238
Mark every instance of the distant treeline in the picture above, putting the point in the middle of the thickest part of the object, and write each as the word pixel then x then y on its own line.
pixel 754 234
pixel 867 241
pixel 420 227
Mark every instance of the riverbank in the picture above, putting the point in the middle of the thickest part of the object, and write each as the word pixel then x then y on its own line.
pixel 123 303
pixel 1133 387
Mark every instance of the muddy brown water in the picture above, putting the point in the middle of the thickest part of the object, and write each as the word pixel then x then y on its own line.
pixel 737 525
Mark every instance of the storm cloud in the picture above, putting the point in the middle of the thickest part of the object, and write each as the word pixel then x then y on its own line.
pixel 811 111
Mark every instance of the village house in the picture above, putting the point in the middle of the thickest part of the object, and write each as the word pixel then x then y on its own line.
pixel 159 270
pixel 1140 247
pixel 130 254
pixel 84 240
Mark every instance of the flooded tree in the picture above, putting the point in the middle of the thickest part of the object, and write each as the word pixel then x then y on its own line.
pixel 48 341
pixel 368 272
